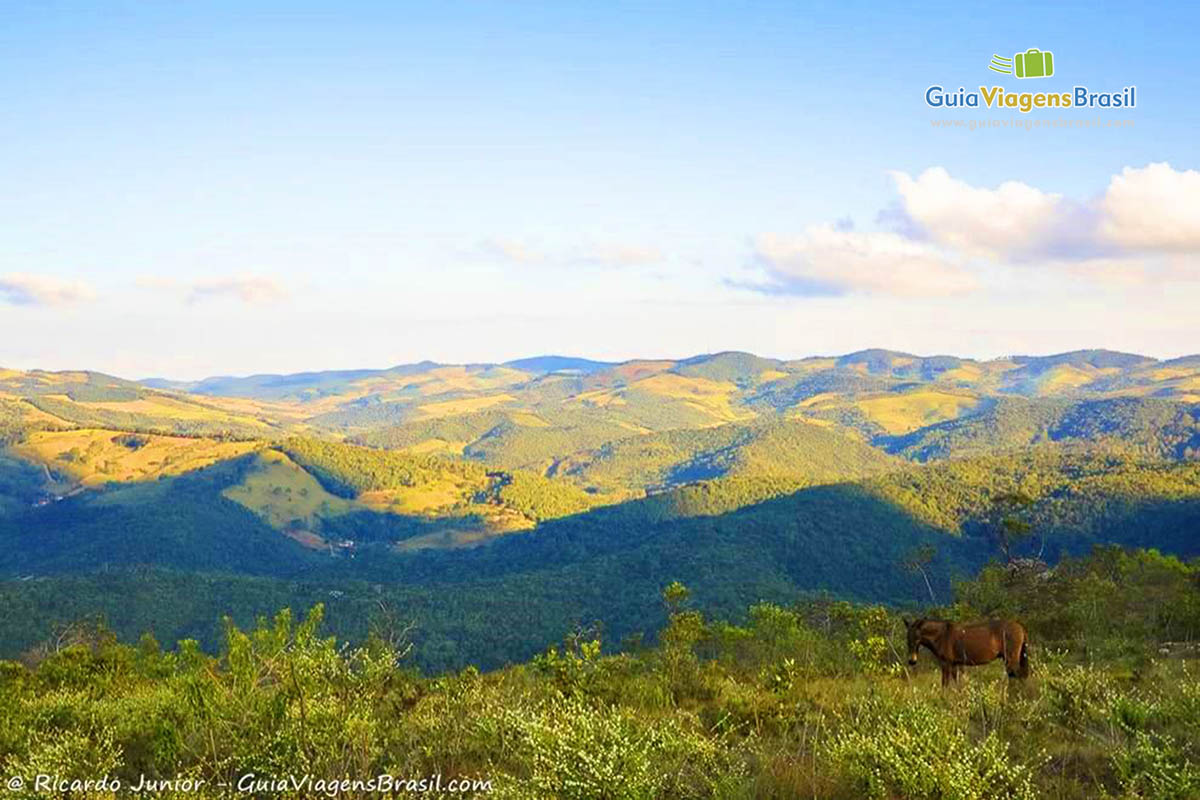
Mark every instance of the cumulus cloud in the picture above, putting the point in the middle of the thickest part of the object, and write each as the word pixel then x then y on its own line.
pixel 943 233
pixel 1147 211
pixel 1155 208
pixel 827 261
pixel 1012 221
pixel 23 289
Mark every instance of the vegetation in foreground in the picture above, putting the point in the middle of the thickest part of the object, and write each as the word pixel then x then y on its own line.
pixel 804 701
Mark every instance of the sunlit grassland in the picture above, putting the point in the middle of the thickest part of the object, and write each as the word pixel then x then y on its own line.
pixel 897 413
pixel 284 494
pixel 716 398
pixel 1064 377
pixel 90 457
pixel 465 405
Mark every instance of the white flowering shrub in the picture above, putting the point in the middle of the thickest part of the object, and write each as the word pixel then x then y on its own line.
pixel 70 755
pixel 1155 767
pixel 1077 695
pixel 575 751
pixel 914 749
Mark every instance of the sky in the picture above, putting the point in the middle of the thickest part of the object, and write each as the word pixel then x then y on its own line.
pixel 236 188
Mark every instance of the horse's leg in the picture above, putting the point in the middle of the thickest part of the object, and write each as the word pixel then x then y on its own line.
pixel 1012 655
pixel 946 668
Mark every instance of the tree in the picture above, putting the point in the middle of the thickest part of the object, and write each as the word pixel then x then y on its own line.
pixel 387 627
pixel 674 596
pixel 1008 523
pixel 919 560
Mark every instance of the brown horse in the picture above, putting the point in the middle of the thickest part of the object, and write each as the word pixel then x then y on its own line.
pixel 956 646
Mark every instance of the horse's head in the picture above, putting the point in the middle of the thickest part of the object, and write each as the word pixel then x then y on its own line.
pixel 914 639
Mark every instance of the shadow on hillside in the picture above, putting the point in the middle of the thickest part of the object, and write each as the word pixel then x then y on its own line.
pixel 507 601
pixel 839 538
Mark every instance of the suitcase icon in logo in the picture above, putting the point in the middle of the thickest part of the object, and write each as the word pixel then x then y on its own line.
pixel 1034 63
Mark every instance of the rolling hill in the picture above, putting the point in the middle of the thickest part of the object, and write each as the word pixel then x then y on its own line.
pixel 590 483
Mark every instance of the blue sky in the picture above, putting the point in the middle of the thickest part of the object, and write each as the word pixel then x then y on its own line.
pixel 246 187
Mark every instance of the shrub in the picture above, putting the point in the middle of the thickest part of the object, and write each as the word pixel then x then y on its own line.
pixel 572 751
pixel 1155 767
pixel 914 749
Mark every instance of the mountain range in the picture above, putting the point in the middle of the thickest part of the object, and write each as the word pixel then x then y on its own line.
pixel 560 490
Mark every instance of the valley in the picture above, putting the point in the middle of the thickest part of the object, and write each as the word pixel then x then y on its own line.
pixel 464 493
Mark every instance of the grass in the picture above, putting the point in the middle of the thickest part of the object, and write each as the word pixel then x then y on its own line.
pixel 428 446
pixel 634 370
pixel 963 374
pixel 601 398
pixel 291 500
pixel 91 457
pixel 160 405
pixel 445 380
pixel 897 413
pixel 780 708
pixel 284 494
pixel 466 405
pixel 1062 378
pixel 469 529
pixel 430 497
pixel 700 401
pixel 30 415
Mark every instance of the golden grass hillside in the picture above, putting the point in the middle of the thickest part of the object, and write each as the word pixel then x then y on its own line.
pixel 290 499
pixel 284 494
pixel 92 457
pixel 897 413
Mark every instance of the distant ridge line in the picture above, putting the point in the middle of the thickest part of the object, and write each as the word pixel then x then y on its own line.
pixel 551 363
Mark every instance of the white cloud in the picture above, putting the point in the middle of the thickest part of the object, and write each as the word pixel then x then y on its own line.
pixel 23 289
pixel 1145 229
pixel 512 250
pixel 825 260
pixel 1154 208
pixel 1132 270
pixel 248 288
pixel 1014 220
pixel 1146 211
pixel 252 289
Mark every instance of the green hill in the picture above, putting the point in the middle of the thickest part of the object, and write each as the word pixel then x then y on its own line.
pixel 1148 427
pixel 738 539
pixel 182 523
pixel 481 496
pixel 796 450
pixel 743 369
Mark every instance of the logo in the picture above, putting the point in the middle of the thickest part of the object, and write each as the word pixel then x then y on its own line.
pixel 1033 63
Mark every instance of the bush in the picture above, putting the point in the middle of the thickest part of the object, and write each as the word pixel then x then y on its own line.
pixel 1155 767
pixel 914 749
pixel 573 751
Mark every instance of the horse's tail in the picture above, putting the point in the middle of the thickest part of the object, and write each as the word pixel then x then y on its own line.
pixel 1023 667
